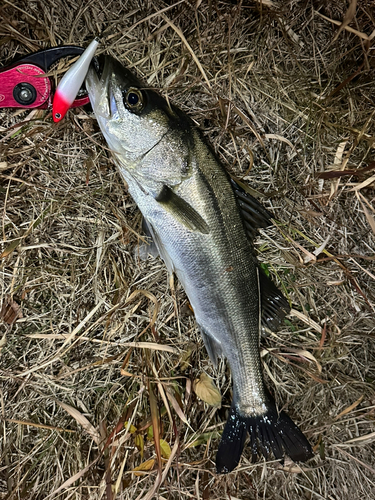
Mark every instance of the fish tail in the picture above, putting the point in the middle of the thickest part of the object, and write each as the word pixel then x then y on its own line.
pixel 271 432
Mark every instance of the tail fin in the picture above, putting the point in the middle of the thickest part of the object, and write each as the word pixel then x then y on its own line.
pixel 272 432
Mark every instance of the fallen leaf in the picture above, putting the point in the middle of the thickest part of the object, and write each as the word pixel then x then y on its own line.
pixel 140 444
pixel 369 217
pixel 185 358
pixel 349 16
pixel 10 248
pixel 306 320
pixel 131 429
pixel 206 390
pixel 304 355
pixel 176 406
pixel 363 184
pixel 155 418
pixel 349 408
pixel 82 420
pixel 203 439
pixel 144 467
pixel 3 341
pixel 150 433
pixel 10 311
pixel 348 28
pixel 72 479
pixel 165 449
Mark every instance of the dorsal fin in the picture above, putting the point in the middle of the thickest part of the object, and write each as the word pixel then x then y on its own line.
pixel 253 212
pixel 274 305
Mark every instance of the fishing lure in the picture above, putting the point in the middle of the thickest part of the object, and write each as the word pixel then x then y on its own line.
pixel 71 82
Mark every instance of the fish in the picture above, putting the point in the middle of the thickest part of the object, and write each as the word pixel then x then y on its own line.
pixel 202 223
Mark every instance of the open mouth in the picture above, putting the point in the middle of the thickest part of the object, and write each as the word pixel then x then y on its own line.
pixel 103 86
pixel 98 65
pixel 95 71
pixel 95 81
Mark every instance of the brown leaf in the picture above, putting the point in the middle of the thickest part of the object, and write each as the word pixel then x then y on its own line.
pixel 301 353
pixel 349 408
pixel 332 174
pixel 10 248
pixel 72 479
pixel 144 467
pixel 10 311
pixel 185 358
pixel 369 217
pixel 176 406
pixel 206 390
pixel 82 420
pixel 155 423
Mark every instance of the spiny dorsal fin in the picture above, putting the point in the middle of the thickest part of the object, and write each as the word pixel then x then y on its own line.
pixel 182 211
pixel 253 212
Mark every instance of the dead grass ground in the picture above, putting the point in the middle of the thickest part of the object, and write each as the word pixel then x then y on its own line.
pixel 280 90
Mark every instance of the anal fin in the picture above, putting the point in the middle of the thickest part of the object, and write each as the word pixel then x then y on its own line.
pixel 212 346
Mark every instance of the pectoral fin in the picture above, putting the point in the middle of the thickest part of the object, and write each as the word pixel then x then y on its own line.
pixel 182 211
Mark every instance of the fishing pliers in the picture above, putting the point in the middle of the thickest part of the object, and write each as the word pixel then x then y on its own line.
pixel 25 83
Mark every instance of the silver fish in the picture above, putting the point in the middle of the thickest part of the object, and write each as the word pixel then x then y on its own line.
pixel 203 225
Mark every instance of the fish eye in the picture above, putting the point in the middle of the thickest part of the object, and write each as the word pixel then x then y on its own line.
pixel 133 99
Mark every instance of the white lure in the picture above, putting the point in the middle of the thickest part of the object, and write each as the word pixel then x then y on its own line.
pixel 71 82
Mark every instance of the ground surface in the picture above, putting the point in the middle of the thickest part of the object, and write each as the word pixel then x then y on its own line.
pixel 93 337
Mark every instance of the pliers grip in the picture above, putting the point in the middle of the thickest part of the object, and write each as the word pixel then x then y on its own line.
pixel 24 83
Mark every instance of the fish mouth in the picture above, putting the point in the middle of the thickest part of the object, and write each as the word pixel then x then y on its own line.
pixel 109 74
pixel 98 64
pixel 96 80
pixel 103 81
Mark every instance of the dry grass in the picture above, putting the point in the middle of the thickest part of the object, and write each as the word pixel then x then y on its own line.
pixel 275 87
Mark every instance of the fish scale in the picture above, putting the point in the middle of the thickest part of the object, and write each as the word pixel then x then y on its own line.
pixel 203 225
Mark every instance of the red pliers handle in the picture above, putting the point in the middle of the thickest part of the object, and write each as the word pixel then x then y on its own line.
pixel 24 83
